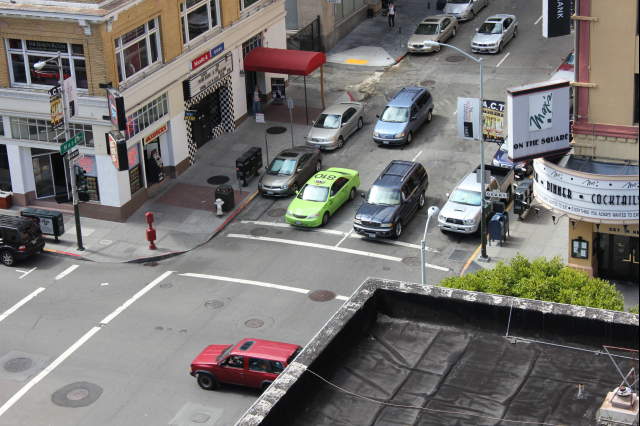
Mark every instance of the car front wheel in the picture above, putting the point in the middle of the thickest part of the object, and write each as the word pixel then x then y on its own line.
pixel 398 230
pixel 429 116
pixel 360 123
pixel 7 258
pixel 352 194
pixel 340 142
pixel 409 138
pixel 515 32
pixel 421 201
pixel 318 166
pixel 325 219
pixel 207 381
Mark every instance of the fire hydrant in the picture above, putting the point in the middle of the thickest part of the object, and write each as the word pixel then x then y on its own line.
pixel 151 233
pixel 219 204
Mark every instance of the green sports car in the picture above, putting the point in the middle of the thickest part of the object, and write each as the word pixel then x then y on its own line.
pixel 322 196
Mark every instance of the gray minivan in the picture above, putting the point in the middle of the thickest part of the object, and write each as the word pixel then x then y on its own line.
pixel 403 116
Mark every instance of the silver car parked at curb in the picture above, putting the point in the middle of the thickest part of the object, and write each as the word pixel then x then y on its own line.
pixel 438 28
pixel 289 170
pixel 464 10
pixel 335 125
pixel 494 34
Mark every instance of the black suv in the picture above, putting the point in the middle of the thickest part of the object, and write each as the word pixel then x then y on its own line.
pixel 392 201
pixel 20 238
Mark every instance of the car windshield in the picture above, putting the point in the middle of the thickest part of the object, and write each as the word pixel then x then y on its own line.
pixel 282 166
pixel 395 114
pixel 470 198
pixel 224 353
pixel 491 28
pixel 327 121
pixel 383 196
pixel 427 29
pixel 314 193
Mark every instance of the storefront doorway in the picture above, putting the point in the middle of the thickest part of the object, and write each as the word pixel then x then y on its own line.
pixel 618 257
pixel 153 164
pixel 50 173
pixel 208 116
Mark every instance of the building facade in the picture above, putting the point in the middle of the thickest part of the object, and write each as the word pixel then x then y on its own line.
pixel 178 66
pixel 596 186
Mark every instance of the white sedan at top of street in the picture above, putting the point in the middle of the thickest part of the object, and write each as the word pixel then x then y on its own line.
pixel 494 34
pixel 334 126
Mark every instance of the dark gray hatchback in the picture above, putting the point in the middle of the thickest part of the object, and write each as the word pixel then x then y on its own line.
pixel 393 199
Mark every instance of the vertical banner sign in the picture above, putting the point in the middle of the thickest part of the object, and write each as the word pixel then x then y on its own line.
pixel 70 95
pixel 116 109
pixel 117 149
pixel 57 110
pixel 538 120
pixel 556 18
pixel 469 118
pixel 493 125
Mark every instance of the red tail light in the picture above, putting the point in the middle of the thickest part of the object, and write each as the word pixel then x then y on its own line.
pixel 22 248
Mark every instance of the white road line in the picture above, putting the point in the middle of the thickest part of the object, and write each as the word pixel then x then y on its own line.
pixel 24 300
pixel 314 245
pixel 439 268
pixel 256 283
pixel 66 272
pixel 81 341
pixel 25 273
pixel 396 243
pixel 347 235
pixel 416 156
pixel 286 225
pixel 539 19
pixel 502 60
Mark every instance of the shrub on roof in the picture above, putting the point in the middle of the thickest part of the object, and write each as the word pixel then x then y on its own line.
pixel 541 279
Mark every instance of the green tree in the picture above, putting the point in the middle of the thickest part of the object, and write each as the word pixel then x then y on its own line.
pixel 541 279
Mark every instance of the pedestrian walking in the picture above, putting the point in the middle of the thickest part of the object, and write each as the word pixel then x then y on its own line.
pixel 257 107
pixel 391 15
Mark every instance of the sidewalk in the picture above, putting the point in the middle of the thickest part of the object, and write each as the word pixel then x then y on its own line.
pixel 183 208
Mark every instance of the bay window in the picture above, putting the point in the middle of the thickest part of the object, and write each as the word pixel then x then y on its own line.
pixel 23 55
pixel 138 49
pixel 197 17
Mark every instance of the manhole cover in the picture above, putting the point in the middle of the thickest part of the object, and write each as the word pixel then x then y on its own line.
pixel 459 255
pixel 217 180
pixel 429 83
pixel 165 285
pixel 276 130
pixel 200 418
pixel 254 323
pixel 277 212
pixel 150 263
pixel 17 365
pixel 79 394
pixel 259 232
pixel 214 304
pixel 159 327
pixel 322 295
pixel 411 261
pixel 386 268
pixel 455 58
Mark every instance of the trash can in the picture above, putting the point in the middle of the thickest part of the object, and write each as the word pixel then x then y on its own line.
pixel 51 222
pixel 5 199
pixel 225 193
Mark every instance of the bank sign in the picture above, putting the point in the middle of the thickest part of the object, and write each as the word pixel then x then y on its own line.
pixel 592 197
pixel 538 119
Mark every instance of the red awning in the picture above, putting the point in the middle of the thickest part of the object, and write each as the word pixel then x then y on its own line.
pixel 283 61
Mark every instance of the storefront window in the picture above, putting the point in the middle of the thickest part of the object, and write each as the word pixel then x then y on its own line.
pixel 252 43
pixel 138 49
pixel 147 115
pixel 23 55
pixel 41 130
pixel 5 176
pixel 88 164
pixel 580 249
pixel 198 17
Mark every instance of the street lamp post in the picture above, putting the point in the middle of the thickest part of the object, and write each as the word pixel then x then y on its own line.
pixel 483 231
pixel 67 135
pixel 433 211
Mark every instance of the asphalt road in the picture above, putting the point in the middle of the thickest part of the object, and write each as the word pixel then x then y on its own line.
pixel 84 343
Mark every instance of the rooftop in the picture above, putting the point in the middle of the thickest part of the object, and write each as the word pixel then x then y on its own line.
pixel 401 353
pixel 588 165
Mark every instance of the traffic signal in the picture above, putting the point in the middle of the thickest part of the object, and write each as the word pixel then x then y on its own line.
pixel 81 183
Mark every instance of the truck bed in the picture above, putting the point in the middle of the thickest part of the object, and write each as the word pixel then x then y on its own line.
pixel 504 175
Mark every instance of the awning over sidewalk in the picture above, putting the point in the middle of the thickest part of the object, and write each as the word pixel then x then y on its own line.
pixel 283 61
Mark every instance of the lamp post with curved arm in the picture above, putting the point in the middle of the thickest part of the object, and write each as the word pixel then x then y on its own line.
pixel 483 231
pixel 432 211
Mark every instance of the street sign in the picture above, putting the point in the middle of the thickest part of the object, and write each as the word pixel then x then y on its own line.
pixel 190 114
pixel 66 146
pixel 496 194
pixel 73 154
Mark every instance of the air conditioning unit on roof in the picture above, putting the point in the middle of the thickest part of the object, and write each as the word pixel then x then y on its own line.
pixel 620 407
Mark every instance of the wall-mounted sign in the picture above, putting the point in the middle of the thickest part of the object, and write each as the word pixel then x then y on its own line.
pixel 153 135
pixel 207 56
pixel 556 17
pixel 538 119
pixel 190 114
pixel 116 109
pixel 469 118
pixel 70 96
pixel 493 121
pixel 117 149
pixel 205 78
pixel 57 111
pixel 592 197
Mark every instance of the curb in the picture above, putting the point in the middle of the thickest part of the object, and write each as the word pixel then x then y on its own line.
pixel 471 259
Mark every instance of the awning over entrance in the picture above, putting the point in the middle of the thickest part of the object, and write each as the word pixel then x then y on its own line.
pixel 283 61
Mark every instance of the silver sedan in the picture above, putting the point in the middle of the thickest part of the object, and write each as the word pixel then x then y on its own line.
pixel 334 126
pixel 494 34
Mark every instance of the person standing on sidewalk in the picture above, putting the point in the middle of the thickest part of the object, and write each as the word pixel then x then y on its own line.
pixel 392 15
pixel 257 107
